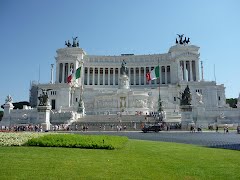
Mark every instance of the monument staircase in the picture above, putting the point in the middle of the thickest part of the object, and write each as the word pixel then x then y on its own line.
pixel 173 117
pixel 110 122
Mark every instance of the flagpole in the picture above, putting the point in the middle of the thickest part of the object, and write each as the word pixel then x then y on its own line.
pixel 80 102
pixel 159 97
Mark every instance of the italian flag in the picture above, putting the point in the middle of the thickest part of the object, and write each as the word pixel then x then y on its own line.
pixel 154 74
pixel 74 76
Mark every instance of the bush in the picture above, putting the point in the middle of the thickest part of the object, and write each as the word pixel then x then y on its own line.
pixel 79 141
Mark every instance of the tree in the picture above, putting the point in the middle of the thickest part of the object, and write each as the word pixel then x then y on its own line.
pixel 232 102
pixel 19 105
pixel 1 115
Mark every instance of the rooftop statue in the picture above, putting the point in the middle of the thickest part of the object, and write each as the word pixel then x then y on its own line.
pixel 186 97
pixel 8 99
pixel 124 69
pixel 181 41
pixel 68 44
pixel 74 44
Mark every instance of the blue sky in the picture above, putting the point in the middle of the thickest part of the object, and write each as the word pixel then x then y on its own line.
pixel 32 30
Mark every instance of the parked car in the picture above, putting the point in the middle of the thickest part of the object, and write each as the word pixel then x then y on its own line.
pixel 151 127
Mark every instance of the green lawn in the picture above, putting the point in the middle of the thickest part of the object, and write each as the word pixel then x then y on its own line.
pixel 137 160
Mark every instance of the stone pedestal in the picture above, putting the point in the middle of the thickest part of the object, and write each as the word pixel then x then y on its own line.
pixel 187 117
pixel 124 82
pixel 81 107
pixel 199 116
pixel 6 120
pixel 43 117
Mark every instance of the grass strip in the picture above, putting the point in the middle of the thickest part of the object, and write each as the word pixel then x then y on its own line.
pixel 136 160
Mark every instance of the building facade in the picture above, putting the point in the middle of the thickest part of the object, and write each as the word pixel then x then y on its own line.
pixel 102 89
pixel 99 84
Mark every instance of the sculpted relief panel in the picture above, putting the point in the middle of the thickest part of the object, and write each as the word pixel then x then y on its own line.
pixel 106 103
pixel 140 103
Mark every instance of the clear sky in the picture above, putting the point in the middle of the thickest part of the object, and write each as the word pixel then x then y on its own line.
pixel 32 30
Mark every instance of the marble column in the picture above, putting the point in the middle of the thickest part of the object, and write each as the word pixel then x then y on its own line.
pixel 139 75
pixel 64 68
pixel 88 70
pixel 109 71
pixel 197 70
pixel 184 71
pixel 93 76
pixel 160 74
pixel 129 73
pixel 191 72
pixel 57 72
pixel 165 74
pixel 118 75
pixel 194 70
pixel 69 71
pixel 134 77
pixel 114 83
pixel 169 78
pixel 103 76
pixel 144 76
pixel 63 72
pixel 98 76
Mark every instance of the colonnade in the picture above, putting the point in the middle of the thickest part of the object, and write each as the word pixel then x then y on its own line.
pixel 63 71
pixel 137 75
pixel 111 75
pixel 188 70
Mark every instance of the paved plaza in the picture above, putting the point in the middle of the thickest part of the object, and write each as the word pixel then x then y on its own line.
pixel 208 138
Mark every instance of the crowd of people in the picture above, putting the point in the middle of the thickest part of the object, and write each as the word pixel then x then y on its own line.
pixel 107 127
pixel 27 127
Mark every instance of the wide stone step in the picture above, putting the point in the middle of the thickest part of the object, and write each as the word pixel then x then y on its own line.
pixel 112 118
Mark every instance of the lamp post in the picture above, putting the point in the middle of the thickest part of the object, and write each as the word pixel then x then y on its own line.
pixel 51 81
pixel 160 108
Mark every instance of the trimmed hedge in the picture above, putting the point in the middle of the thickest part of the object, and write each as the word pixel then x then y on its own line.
pixel 79 141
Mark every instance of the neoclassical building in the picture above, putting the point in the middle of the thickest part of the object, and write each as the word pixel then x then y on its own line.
pixel 100 74
pixel 103 90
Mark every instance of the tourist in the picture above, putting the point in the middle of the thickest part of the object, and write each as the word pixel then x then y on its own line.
pixel 191 128
pixel 216 128
pixel 199 129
